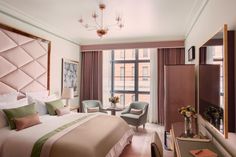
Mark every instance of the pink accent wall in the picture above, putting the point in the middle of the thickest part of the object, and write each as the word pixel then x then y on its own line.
pixel 157 44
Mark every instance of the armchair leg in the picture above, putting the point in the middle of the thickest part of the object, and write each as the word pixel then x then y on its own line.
pixel 144 126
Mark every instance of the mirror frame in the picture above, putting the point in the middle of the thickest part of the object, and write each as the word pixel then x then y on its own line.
pixel 225 64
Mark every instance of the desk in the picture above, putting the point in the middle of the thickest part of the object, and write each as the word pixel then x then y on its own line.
pixel 182 147
pixel 113 110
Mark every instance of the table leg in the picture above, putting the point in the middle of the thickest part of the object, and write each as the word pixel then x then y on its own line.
pixel 113 112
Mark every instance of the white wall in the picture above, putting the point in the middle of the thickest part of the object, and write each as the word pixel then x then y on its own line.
pixel 60 48
pixel 214 16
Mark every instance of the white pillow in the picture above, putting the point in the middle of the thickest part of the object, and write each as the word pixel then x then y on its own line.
pixel 38 94
pixel 9 105
pixel 40 105
pixel 9 97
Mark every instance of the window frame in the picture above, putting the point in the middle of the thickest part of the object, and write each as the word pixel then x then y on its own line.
pixel 136 62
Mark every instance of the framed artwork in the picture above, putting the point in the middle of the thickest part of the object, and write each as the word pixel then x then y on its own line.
pixel 70 71
pixel 191 53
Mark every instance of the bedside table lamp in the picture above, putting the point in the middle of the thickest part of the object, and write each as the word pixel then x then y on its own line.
pixel 67 93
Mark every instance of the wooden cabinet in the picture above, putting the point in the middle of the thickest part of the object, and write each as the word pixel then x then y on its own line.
pixel 179 86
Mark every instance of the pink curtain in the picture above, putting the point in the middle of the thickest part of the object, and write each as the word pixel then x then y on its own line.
pixel 91 76
pixel 166 56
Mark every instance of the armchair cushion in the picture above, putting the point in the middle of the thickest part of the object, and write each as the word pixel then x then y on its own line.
pixel 130 116
pixel 136 111
pixel 92 109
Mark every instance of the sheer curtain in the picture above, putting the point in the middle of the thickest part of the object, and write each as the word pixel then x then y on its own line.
pixel 106 78
pixel 152 115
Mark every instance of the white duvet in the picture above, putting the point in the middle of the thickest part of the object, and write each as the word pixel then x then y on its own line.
pixel 20 143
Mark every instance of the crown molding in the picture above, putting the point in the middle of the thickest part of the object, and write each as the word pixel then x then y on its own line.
pixel 194 15
pixel 12 12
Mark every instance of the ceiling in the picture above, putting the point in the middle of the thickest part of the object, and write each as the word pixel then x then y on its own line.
pixel 144 20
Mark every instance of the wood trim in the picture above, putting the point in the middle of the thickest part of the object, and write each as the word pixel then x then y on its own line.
pixel 176 146
pixel 49 65
pixel 225 43
pixel 11 29
pixel 157 44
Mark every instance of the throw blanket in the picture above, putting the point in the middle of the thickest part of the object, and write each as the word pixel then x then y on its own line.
pixel 86 136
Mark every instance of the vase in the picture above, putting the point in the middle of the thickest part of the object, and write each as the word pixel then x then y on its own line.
pixel 113 105
pixel 188 127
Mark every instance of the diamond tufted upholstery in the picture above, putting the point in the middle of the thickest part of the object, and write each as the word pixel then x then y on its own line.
pixel 23 63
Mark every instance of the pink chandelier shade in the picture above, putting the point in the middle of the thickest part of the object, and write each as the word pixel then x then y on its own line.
pixel 100 28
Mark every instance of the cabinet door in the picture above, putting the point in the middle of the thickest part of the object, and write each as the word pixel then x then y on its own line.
pixel 179 89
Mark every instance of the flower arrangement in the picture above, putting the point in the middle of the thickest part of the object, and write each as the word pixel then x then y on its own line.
pixel 188 111
pixel 114 99
pixel 213 113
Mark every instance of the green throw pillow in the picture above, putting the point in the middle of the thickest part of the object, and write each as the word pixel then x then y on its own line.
pixel 53 105
pixel 19 112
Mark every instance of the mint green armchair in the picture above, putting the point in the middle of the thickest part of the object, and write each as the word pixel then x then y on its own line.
pixel 134 119
pixel 92 103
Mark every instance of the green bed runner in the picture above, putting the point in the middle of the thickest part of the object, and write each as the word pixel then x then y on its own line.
pixel 40 142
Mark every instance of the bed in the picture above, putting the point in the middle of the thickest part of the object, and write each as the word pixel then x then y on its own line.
pixel 74 135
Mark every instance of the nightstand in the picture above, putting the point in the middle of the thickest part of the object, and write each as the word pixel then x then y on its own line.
pixel 74 108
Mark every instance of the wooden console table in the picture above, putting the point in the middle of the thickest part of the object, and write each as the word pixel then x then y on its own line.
pixel 182 147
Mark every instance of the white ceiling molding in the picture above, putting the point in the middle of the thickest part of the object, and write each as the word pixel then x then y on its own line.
pixel 197 10
pixel 21 16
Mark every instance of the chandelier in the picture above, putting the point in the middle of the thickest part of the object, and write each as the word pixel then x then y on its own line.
pixel 100 28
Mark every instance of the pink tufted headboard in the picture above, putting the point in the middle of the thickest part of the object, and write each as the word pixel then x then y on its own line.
pixel 24 61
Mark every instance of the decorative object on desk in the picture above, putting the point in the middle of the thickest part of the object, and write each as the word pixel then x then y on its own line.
pixel 191 53
pixel 214 115
pixel 188 112
pixel 114 100
pixel 70 75
pixel 67 93
pixel 203 153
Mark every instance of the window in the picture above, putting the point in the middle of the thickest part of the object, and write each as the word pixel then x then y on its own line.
pixel 122 98
pixel 122 73
pixel 134 75
pixel 133 98
pixel 145 53
pixel 122 54
pixel 145 73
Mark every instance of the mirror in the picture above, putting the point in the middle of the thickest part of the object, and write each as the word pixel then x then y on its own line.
pixel 212 81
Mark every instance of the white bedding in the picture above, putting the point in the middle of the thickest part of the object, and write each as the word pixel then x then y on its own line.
pixel 11 144
pixel 20 143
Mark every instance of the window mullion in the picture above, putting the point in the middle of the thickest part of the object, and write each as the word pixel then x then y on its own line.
pixel 136 75
pixel 112 73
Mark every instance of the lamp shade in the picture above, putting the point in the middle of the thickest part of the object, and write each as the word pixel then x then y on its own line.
pixel 68 93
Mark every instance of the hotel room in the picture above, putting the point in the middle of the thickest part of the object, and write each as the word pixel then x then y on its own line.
pixel 100 78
